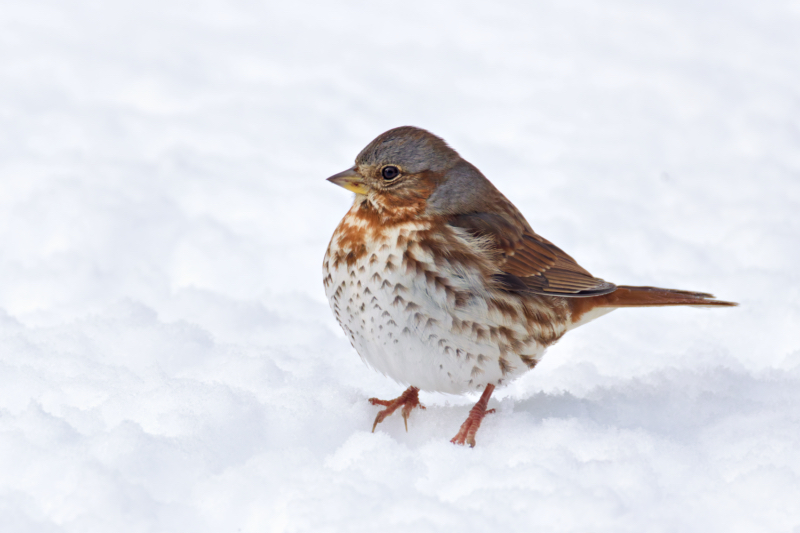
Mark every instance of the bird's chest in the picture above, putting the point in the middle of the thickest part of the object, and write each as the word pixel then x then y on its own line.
pixel 391 314
pixel 416 317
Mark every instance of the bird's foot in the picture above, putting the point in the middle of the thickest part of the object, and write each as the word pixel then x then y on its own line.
pixel 409 400
pixel 466 435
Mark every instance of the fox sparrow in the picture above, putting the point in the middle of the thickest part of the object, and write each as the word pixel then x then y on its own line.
pixel 440 282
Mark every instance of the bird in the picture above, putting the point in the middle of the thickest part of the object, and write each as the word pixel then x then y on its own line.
pixel 441 284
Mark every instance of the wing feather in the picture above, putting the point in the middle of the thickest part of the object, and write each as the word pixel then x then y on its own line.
pixel 529 262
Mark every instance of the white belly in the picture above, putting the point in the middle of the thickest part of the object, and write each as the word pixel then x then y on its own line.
pixel 405 326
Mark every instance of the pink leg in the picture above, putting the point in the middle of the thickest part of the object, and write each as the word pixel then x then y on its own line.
pixel 466 435
pixel 409 400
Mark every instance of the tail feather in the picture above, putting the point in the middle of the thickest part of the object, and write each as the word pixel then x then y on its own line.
pixel 626 296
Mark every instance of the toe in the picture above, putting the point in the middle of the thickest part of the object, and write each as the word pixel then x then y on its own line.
pixel 376 401
pixel 378 420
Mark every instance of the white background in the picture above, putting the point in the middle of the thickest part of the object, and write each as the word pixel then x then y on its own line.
pixel 168 362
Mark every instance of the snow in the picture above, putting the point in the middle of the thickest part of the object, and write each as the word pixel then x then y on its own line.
pixel 168 362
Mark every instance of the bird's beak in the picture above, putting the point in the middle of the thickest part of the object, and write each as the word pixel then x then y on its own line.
pixel 350 180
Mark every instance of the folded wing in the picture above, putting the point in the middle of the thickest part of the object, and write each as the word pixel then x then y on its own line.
pixel 529 262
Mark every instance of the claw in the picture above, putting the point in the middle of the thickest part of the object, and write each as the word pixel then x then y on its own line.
pixel 409 400
pixel 466 434
pixel 406 412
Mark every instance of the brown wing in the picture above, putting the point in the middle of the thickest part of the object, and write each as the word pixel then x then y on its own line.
pixel 529 262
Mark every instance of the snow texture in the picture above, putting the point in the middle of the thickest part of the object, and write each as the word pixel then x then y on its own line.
pixel 169 363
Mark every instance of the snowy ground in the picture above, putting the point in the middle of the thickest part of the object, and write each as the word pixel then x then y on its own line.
pixel 168 362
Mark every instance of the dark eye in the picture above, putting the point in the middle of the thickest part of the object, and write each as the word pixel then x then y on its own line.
pixel 390 172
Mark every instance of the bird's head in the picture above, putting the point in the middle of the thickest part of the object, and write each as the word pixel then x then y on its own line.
pixel 410 168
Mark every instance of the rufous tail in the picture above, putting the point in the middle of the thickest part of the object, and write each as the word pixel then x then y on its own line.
pixel 626 296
